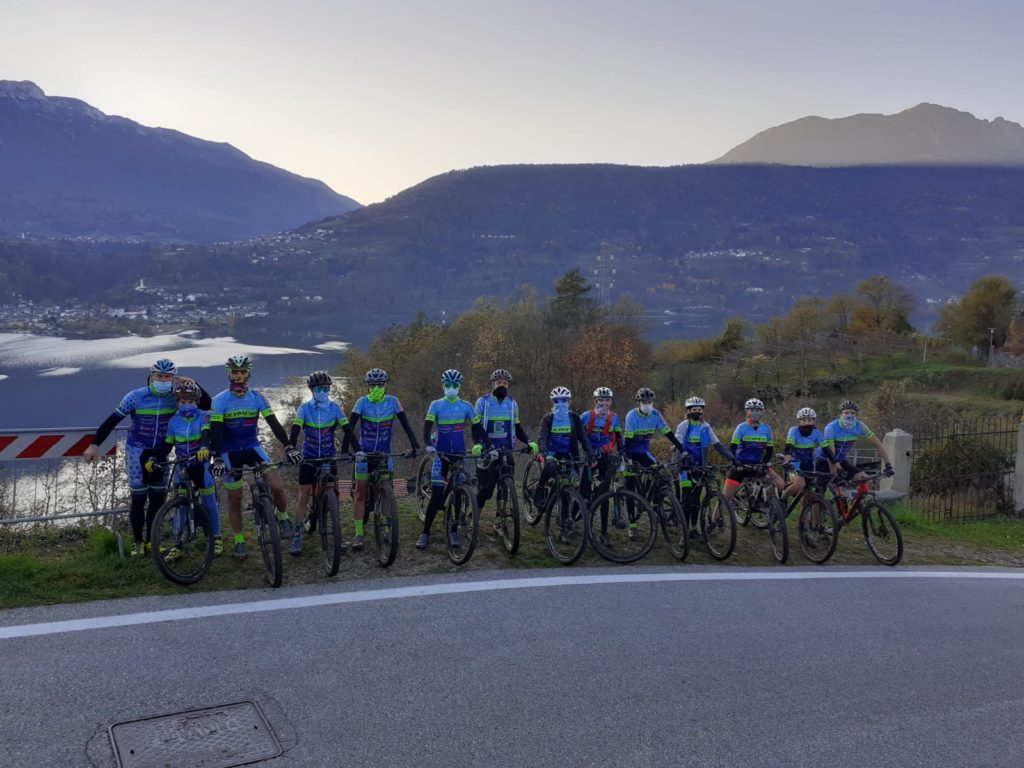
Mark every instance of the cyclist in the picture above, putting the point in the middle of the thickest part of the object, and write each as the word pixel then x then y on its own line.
pixel 560 431
pixel 697 436
pixel 605 434
pixel 235 443
pixel 150 408
pixel 840 435
pixel 752 443
pixel 447 417
pixel 318 420
pixel 188 433
pixel 377 412
pixel 641 424
pixel 499 414
pixel 801 443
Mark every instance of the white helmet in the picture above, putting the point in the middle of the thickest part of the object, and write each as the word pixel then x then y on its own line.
pixel 806 413
pixel 753 403
pixel 695 402
pixel 560 392
pixel 603 392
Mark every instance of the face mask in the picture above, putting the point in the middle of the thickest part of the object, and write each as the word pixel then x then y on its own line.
pixel 560 409
pixel 376 394
pixel 320 397
pixel 848 421
pixel 451 392
pixel 500 392
pixel 189 411
pixel 806 429
pixel 646 408
pixel 238 386
pixel 696 416
pixel 162 387
pixel 755 416
pixel 602 409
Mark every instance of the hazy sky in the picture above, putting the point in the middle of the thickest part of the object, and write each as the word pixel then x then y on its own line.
pixel 375 96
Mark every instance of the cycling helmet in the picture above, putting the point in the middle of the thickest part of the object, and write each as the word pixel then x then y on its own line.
pixel 501 375
pixel 849 405
pixel 186 388
pixel 451 376
pixel 603 392
pixel 806 413
pixel 238 363
pixel 753 403
pixel 376 376
pixel 163 365
pixel 695 402
pixel 645 393
pixel 318 379
pixel 561 392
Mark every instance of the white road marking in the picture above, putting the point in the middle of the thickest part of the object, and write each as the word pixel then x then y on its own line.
pixel 425 590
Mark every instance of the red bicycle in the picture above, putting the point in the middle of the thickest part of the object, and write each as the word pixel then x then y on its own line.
pixel 881 531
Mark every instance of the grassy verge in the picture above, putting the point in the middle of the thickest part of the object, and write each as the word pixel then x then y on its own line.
pixel 76 564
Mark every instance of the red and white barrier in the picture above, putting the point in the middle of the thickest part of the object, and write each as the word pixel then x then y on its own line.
pixel 33 444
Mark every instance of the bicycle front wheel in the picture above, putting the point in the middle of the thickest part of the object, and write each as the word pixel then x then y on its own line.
pixel 565 525
pixel 741 505
pixel 622 526
pixel 329 516
pixel 531 477
pixel 506 515
pixel 385 524
pixel 462 518
pixel 269 537
pixel 423 485
pixel 882 533
pixel 672 521
pixel 718 525
pixel 818 529
pixel 182 541
pixel 778 534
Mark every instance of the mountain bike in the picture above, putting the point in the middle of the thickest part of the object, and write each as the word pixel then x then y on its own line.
pixel 268 534
pixel 757 502
pixel 656 484
pixel 423 486
pixel 531 475
pixel 382 505
pixel 324 513
pixel 716 518
pixel 566 514
pixel 818 523
pixel 461 513
pixel 623 525
pixel 881 531
pixel 181 534
pixel 506 512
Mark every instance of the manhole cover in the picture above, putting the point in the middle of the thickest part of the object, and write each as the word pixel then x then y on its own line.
pixel 215 737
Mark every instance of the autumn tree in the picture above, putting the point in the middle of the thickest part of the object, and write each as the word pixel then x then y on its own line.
pixel 988 304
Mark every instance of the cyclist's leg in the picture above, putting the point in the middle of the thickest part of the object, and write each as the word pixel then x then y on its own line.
pixel 201 478
pixel 234 460
pixel 487 478
pixel 139 493
pixel 438 477
pixel 307 473
pixel 690 499
pixel 549 470
pixel 733 480
pixel 796 485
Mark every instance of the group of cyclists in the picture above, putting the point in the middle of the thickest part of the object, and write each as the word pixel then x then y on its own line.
pixel 216 437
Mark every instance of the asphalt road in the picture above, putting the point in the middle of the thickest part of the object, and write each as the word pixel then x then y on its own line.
pixel 733 668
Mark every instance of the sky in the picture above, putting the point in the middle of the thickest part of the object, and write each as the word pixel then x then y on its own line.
pixel 374 97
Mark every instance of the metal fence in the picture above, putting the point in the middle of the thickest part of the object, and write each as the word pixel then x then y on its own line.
pixel 964 470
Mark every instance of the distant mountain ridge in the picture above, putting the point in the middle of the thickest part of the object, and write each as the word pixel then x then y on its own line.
pixel 66 168
pixel 927 134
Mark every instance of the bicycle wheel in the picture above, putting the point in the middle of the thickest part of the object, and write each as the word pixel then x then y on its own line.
pixel 423 485
pixel 757 509
pixel 741 505
pixel 269 537
pixel 330 530
pixel 818 529
pixel 530 479
pixel 506 514
pixel 672 521
pixel 718 525
pixel 882 533
pixel 565 525
pixel 181 539
pixel 610 515
pixel 462 515
pixel 778 534
pixel 385 524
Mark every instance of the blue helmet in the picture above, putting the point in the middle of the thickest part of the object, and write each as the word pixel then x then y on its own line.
pixel 451 376
pixel 163 365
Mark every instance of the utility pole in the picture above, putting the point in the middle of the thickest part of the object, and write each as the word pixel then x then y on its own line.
pixel 991 347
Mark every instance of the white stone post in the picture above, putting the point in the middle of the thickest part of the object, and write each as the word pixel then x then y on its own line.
pixel 898 445
pixel 1018 477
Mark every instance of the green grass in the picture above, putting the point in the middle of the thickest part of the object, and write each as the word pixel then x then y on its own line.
pixel 997 533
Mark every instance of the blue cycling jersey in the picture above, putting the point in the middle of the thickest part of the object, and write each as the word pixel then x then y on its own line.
pixel 560 439
pixel 186 434
pixel 319 424
pixel 376 422
pixel 696 438
pixel 802 448
pixel 499 419
pixel 841 440
pixel 240 415
pixel 640 429
pixel 752 442
pixel 150 413
pixel 450 417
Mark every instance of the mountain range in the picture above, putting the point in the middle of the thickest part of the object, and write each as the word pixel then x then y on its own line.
pixel 68 169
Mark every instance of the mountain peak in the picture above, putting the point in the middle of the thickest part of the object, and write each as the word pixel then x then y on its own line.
pixel 21 89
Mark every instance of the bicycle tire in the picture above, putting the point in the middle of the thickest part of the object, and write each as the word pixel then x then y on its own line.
pixel 566 529
pixel 531 476
pixel 385 524
pixel 718 531
pixel 778 533
pixel 329 514
pixel 758 509
pixel 268 534
pixel 882 533
pixel 195 543
pixel 741 505
pixel 672 520
pixel 506 513
pixel 616 548
pixel 818 528
pixel 424 486
pixel 462 512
